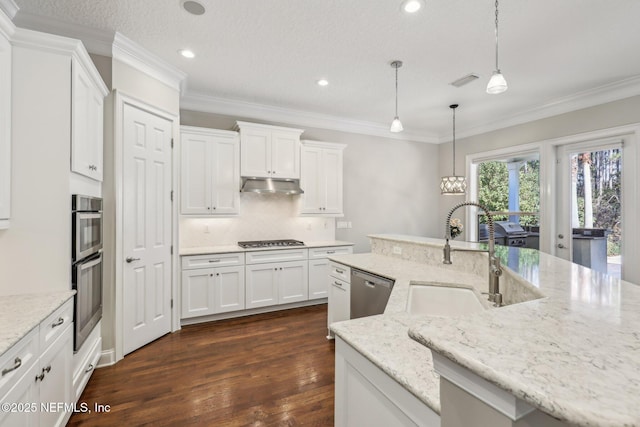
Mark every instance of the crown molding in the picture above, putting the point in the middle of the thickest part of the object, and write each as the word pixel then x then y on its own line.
pixel 610 92
pixel 249 110
pixel 7 28
pixel 131 53
pixel 9 7
pixel 108 43
pixel 96 41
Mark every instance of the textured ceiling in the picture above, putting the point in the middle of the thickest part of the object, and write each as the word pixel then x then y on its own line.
pixel 272 52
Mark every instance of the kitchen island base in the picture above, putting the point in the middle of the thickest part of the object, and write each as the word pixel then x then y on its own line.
pixel 367 396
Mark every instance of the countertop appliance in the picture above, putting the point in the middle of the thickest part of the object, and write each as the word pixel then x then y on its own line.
pixel 259 244
pixel 369 293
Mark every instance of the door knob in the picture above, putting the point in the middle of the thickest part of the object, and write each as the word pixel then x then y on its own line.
pixel 130 259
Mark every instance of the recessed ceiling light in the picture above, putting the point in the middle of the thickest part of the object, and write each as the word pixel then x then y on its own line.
pixel 411 6
pixel 193 7
pixel 323 82
pixel 187 53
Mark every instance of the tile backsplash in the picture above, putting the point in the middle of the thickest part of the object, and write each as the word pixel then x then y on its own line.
pixel 262 217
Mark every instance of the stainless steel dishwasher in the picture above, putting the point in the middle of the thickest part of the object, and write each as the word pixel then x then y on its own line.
pixel 369 293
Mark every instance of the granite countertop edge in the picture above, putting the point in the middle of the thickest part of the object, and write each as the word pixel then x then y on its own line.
pixel 20 313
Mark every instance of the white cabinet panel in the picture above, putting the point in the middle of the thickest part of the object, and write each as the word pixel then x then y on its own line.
pixel 24 392
pixel 55 385
pixel 261 285
pixel 86 123
pixel 210 172
pixel 339 307
pixel 197 293
pixel 318 283
pixel 293 282
pixel 212 260
pixel 269 151
pixel 321 178
pixel 229 289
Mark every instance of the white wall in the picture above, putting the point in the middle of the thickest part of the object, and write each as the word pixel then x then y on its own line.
pixel 389 185
pixel 35 252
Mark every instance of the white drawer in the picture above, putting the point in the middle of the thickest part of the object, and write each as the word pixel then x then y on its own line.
pixel 16 361
pixel 259 257
pixel 54 325
pixel 328 251
pixel 212 260
pixel 86 367
pixel 340 271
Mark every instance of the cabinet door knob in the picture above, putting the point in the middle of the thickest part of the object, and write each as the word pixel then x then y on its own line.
pixel 217 274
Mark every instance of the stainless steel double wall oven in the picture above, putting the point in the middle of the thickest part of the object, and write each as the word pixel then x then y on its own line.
pixel 86 274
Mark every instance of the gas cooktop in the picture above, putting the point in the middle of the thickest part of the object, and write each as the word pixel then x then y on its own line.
pixel 270 243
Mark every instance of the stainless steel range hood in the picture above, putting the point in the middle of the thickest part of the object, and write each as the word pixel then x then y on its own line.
pixel 271 185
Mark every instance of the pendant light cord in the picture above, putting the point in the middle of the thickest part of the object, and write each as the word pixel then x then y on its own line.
pixel 454 142
pixel 396 66
pixel 497 68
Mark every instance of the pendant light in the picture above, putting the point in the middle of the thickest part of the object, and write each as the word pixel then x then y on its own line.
pixel 396 125
pixel 497 83
pixel 453 185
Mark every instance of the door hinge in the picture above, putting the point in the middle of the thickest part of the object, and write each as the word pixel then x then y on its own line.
pixel 172 195
pixel 171 250
pixel 171 142
pixel 171 303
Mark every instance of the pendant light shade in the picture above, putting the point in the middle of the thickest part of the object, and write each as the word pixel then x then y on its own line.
pixel 497 83
pixel 453 185
pixel 396 125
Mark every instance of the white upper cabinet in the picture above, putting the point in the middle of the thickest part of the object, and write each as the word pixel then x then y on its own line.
pixel 269 151
pixel 321 178
pixel 210 175
pixel 5 130
pixel 86 122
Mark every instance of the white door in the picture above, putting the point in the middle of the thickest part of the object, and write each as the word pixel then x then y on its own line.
pixel 146 227
pixel 589 200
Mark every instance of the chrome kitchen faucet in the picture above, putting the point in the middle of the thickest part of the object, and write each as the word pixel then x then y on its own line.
pixel 495 271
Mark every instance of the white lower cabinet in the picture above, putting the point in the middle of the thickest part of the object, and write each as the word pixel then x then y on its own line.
pixel 212 290
pixel 339 307
pixel 36 380
pixel 319 269
pixel 276 283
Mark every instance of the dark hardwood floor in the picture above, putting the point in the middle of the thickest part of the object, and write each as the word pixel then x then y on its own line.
pixel 274 369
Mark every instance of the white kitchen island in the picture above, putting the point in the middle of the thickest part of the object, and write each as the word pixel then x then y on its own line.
pixel 565 349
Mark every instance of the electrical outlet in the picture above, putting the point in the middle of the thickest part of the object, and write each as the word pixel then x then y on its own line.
pixel 397 250
pixel 342 224
pixel 349 224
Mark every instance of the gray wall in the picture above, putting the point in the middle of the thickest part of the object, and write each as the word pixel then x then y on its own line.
pixel 390 186
pixel 618 113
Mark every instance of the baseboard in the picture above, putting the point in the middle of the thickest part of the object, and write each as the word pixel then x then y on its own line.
pixel 107 358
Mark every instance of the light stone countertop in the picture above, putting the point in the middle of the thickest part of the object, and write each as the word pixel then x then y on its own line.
pixel 205 250
pixel 19 314
pixel 574 354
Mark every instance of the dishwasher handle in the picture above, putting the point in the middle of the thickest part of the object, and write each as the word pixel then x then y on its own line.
pixel 371 280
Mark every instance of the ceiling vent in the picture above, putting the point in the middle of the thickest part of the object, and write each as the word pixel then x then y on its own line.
pixel 464 80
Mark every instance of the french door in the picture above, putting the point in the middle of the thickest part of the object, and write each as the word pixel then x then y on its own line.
pixel 589 226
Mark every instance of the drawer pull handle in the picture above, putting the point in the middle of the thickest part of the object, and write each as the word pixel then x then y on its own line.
pixel 214 260
pixel 339 271
pixel 331 252
pixel 337 284
pixel 58 322
pixel 16 364
pixel 89 369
